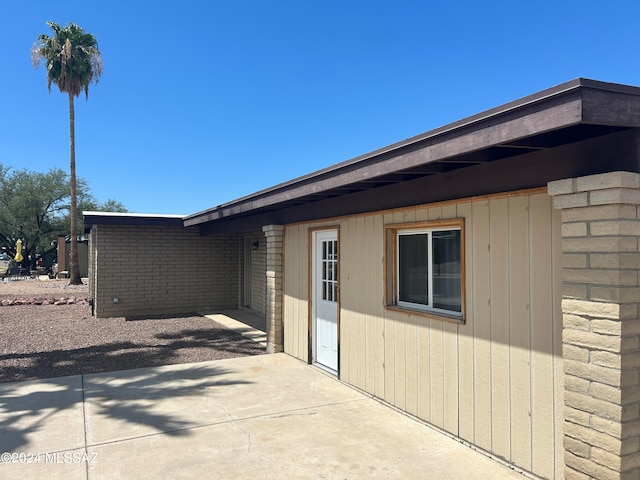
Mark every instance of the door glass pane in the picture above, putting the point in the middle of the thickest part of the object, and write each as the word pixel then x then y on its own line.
pixel 446 270
pixel 413 268
pixel 330 270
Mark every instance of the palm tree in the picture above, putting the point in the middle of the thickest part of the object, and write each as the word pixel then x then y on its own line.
pixel 73 62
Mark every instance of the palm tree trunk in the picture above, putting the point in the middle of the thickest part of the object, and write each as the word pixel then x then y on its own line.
pixel 74 268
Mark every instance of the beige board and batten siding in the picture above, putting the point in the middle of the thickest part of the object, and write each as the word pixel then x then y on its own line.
pixel 495 381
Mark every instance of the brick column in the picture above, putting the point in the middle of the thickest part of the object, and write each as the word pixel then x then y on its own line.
pixel 274 237
pixel 601 326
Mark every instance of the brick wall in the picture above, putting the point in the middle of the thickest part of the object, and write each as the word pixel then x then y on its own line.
pixel 255 258
pixel 162 270
pixel 274 236
pixel 601 326
pixel 92 266
pixel 258 278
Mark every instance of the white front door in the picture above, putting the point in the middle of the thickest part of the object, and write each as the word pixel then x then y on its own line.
pixel 325 301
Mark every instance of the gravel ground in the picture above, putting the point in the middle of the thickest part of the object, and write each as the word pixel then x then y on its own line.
pixel 44 289
pixel 45 341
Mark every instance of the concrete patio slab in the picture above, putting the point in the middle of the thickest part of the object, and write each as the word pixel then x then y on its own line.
pixel 42 429
pixel 248 324
pixel 266 417
pixel 45 415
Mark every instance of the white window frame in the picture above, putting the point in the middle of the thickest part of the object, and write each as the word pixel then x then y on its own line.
pixel 426 228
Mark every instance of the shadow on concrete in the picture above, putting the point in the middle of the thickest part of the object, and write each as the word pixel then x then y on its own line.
pixel 112 378
pixel 185 346
pixel 26 408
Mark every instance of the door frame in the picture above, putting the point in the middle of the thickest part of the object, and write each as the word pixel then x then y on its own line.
pixel 312 296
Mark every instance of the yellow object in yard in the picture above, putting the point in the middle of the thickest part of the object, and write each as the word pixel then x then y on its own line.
pixel 19 256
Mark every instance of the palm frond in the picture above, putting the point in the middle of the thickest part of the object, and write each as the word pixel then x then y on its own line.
pixel 71 56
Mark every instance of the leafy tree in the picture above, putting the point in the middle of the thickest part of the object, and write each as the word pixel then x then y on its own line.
pixel 35 208
pixel 73 62
pixel 88 203
pixel 32 208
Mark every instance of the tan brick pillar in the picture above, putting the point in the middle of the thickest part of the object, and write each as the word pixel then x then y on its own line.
pixel 601 327
pixel 274 236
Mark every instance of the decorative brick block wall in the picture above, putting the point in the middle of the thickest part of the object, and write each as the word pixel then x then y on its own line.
pixel 162 270
pixel 274 235
pixel 92 264
pixel 601 324
pixel 256 258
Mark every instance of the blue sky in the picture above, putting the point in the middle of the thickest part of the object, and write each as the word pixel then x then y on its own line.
pixel 203 102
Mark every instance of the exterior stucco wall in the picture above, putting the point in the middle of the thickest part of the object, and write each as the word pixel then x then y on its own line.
pixel 495 381
pixel 162 270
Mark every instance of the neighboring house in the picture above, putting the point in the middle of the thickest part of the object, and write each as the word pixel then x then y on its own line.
pixel 63 255
pixel 482 277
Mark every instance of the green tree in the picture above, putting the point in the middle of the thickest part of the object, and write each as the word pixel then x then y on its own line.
pixel 32 208
pixel 73 62
pixel 35 208
pixel 88 203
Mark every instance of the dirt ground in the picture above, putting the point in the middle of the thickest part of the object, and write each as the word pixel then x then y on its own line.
pixel 52 340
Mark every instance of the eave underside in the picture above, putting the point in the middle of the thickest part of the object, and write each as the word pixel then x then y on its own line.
pixel 522 145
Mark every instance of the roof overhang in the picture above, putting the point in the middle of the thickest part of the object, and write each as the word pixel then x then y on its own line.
pixel 91 218
pixel 575 111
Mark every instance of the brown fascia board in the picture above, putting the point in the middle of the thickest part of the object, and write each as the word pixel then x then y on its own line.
pixel 91 218
pixel 571 103
pixel 620 107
